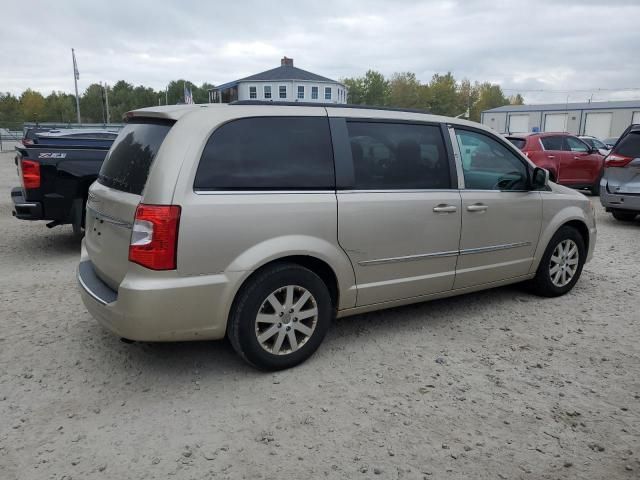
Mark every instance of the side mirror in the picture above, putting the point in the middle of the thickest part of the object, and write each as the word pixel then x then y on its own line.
pixel 540 178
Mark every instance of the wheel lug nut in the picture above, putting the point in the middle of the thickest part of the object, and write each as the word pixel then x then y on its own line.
pixel 281 313
pixel 279 325
pixel 291 311
pixel 295 319
pixel 288 328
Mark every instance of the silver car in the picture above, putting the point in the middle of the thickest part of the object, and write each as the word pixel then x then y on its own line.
pixel 620 185
pixel 263 222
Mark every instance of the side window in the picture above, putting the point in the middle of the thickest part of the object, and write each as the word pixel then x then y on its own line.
pixel 398 156
pixel 267 91
pixel 268 153
pixel 487 164
pixel 575 145
pixel 551 143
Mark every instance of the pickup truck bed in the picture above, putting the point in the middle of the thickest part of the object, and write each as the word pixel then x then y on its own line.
pixel 65 174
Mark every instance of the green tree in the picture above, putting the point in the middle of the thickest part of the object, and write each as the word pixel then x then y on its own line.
pixel 10 111
pixel 404 91
pixel 376 88
pixel 355 90
pixel 467 97
pixel 60 107
pixel 516 99
pixel 442 95
pixel 32 105
pixel 489 96
pixel 91 104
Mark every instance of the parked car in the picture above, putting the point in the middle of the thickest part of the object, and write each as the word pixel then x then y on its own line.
pixel 55 178
pixel 262 222
pixel 29 136
pixel 569 160
pixel 610 142
pixel 620 187
pixel 595 144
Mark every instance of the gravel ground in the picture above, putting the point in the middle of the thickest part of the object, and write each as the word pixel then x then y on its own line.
pixel 498 384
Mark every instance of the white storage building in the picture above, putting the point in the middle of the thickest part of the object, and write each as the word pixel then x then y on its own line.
pixel 600 119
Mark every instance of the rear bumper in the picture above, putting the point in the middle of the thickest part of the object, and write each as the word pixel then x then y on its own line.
pixel 24 210
pixel 618 201
pixel 152 306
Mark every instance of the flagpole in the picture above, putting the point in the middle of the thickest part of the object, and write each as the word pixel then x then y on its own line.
pixel 75 81
pixel 106 96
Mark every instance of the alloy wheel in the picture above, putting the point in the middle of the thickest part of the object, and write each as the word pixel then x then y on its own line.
pixel 286 320
pixel 564 263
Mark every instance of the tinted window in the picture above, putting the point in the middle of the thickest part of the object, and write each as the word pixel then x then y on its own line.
pixel 127 164
pixel 575 145
pixel 629 145
pixel 489 165
pixel 398 156
pixel 268 153
pixel 517 142
pixel 551 143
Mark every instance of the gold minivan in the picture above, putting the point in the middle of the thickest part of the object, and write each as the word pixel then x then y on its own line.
pixel 263 222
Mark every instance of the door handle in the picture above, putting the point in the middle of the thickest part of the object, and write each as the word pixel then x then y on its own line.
pixel 551 156
pixel 477 207
pixel 443 208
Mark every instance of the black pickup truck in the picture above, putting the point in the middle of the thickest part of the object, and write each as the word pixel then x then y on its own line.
pixel 55 182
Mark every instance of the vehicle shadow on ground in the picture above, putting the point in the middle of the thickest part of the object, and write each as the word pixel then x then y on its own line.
pixel 218 357
pixel 48 243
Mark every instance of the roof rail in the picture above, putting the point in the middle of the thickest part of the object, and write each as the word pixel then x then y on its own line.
pixel 330 105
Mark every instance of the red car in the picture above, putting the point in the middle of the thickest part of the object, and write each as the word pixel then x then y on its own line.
pixel 570 161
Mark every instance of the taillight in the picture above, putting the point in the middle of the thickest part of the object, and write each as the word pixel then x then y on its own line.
pixel 615 160
pixel 154 239
pixel 30 173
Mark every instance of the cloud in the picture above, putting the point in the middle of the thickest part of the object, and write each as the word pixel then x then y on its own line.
pixel 566 47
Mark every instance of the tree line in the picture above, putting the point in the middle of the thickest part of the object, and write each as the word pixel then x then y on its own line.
pixel 60 107
pixel 442 95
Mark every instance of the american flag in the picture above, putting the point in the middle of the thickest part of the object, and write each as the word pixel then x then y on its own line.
pixel 75 65
pixel 188 96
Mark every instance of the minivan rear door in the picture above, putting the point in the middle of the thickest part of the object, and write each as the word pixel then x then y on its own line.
pixel 114 197
pixel 398 208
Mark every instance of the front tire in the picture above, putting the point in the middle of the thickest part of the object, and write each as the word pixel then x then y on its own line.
pixel 624 216
pixel 561 264
pixel 280 317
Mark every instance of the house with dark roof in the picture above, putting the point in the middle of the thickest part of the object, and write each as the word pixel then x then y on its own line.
pixel 285 83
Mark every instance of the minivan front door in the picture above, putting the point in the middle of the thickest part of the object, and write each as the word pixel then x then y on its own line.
pixel 501 219
pixel 399 220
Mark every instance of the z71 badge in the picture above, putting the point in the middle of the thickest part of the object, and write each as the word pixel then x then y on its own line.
pixel 52 155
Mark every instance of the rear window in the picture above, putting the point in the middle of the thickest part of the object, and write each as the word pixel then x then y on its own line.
pixel 517 142
pixel 629 145
pixel 268 153
pixel 127 164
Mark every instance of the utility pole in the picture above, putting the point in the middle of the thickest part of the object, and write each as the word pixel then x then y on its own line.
pixel 76 77
pixel 106 97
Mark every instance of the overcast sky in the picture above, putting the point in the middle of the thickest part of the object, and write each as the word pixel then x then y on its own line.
pixel 543 44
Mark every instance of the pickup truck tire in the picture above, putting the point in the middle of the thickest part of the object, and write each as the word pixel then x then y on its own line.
pixel 624 216
pixel 546 283
pixel 280 316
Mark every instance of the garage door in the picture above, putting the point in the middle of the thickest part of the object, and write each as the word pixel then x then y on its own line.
pixel 598 125
pixel 555 122
pixel 519 123
pixel 636 117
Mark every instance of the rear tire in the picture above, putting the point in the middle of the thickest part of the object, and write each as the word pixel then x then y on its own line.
pixel 561 264
pixel 624 216
pixel 595 189
pixel 272 324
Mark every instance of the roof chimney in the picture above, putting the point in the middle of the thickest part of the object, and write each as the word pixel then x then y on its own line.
pixel 286 62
